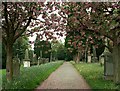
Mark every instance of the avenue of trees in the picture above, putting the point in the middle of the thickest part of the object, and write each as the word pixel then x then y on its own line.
pixel 17 16
pixel 102 19
pixel 89 23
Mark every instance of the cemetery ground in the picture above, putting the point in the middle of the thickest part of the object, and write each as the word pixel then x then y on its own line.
pixel 93 73
pixel 30 77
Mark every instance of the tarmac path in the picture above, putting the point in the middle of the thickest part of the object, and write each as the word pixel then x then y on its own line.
pixel 65 77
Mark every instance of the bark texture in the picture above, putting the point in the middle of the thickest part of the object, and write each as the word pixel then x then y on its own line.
pixel 116 60
pixel 9 62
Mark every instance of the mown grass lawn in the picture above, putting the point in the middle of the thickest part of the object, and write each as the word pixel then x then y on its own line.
pixel 31 77
pixel 93 74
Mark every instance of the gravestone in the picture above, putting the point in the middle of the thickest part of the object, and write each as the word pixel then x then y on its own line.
pixel 44 60
pixel 39 61
pixel 34 59
pixel 108 66
pixel 94 59
pixel 16 66
pixel 26 61
pixel 51 58
pixel 101 58
pixel 108 63
pixel 89 57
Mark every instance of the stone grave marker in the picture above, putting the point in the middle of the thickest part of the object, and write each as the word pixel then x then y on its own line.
pixel 39 61
pixel 108 66
pixel 16 66
pixel 26 61
pixel 108 63
pixel 101 58
pixel 89 57
pixel 94 59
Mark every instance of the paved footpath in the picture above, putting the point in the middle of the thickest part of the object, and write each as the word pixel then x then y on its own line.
pixel 65 77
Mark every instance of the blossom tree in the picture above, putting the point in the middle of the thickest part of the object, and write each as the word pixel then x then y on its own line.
pixel 101 18
pixel 19 18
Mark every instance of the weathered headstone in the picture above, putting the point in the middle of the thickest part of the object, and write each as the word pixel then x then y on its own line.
pixel 101 58
pixel 46 60
pixel 94 55
pixel 108 63
pixel 51 58
pixel 16 66
pixel 108 66
pixel 89 57
pixel 39 60
pixel 34 58
pixel 26 61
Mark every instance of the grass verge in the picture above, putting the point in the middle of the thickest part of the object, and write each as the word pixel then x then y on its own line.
pixel 93 74
pixel 31 77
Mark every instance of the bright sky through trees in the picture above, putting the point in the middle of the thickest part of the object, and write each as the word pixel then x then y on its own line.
pixel 59 38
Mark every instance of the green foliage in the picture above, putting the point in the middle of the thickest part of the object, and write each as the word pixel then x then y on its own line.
pixel 31 77
pixel 31 55
pixel 20 46
pixel 61 54
pixel 42 46
pixel 100 50
pixel 93 74
pixel 58 50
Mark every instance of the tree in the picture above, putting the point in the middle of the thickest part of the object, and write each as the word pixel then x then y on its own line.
pixel 17 16
pixel 99 18
pixel 15 22
pixel 58 50
pixel 1 56
pixel 43 47
pixel 19 47
pixel 31 55
pixel 78 43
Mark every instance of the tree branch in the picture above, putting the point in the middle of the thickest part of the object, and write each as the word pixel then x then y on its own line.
pixel 96 32
pixel 23 30
pixel 6 17
pixel 99 33
pixel 6 13
pixel 16 27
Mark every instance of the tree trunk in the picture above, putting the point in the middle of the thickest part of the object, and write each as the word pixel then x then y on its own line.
pixel 9 63
pixel 86 54
pixel 78 57
pixel 116 60
pixel 51 57
pixel 75 57
pixel 94 54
